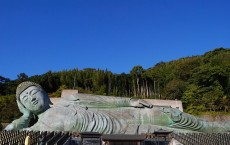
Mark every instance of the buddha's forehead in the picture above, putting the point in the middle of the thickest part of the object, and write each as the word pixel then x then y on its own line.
pixel 29 89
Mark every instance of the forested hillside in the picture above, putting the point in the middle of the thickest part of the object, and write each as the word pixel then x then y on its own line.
pixel 201 82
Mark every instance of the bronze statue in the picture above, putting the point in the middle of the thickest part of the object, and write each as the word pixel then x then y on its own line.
pixel 108 115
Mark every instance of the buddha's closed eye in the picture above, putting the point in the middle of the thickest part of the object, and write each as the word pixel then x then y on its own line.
pixel 25 98
pixel 33 92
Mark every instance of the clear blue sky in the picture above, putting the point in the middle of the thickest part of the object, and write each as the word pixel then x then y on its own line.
pixel 41 35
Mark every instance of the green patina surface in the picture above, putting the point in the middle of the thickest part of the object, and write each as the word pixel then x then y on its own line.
pixel 109 115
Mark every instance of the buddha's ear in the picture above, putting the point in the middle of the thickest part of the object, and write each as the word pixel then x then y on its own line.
pixel 20 106
pixel 50 101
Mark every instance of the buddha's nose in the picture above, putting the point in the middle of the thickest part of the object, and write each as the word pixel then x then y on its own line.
pixel 33 99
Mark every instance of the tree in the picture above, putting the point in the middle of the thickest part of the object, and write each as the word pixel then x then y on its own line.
pixel 136 74
pixel 3 80
pixel 174 89
pixel 192 99
pixel 184 67
pixel 225 103
pixel 3 85
pixel 212 96
pixel 22 77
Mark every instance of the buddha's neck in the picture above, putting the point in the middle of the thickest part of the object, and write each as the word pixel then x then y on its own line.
pixel 43 110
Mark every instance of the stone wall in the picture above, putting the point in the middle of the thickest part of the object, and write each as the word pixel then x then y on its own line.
pixel 65 93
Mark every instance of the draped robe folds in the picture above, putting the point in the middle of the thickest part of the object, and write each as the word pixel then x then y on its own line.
pixel 115 115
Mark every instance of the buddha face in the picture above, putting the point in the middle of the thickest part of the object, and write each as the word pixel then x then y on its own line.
pixel 34 99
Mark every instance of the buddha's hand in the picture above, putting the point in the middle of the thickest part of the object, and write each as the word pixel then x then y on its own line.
pixel 18 124
pixel 22 109
pixel 139 103
pixel 9 127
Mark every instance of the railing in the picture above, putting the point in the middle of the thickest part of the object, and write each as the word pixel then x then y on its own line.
pixel 73 138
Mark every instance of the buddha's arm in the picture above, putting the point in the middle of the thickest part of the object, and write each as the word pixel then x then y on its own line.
pixel 140 103
pixel 110 101
pixel 51 120
pixel 19 123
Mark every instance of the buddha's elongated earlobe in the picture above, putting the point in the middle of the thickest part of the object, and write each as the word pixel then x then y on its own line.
pixel 23 109
pixel 50 103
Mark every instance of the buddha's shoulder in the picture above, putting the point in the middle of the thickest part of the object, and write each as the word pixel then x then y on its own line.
pixel 58 112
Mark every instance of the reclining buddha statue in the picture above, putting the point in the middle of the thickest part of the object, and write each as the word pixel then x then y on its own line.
pixel 103 114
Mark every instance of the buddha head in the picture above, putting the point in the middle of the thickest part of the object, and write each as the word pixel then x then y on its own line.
pixel 32 97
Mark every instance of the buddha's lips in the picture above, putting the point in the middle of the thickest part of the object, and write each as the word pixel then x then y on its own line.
pixel 35 102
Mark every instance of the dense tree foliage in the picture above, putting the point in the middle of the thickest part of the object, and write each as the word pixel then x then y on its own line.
pixel 201 82
pixel 8 109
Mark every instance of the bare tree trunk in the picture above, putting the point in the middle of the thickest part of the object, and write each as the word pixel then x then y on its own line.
pixel 142 92
pixel 144 89
pixel 146 86
pixel 150 91
pixel 134 89
pixel 154 88
pixel 129 92
pixel 138 87
pixel 158 90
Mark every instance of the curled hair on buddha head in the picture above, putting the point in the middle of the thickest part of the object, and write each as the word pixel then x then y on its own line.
pixel 23 86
